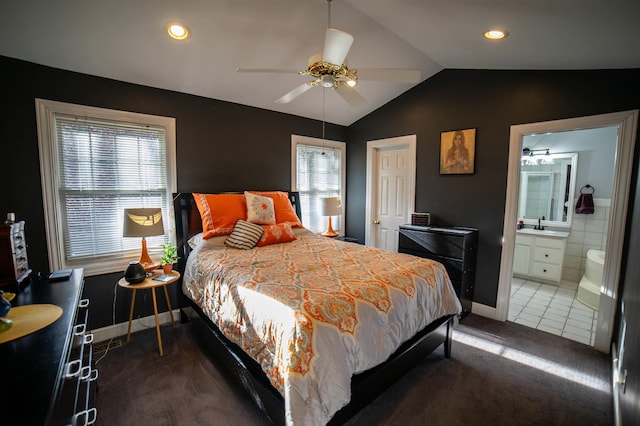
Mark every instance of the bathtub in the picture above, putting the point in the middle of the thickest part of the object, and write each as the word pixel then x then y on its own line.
pixel 589 287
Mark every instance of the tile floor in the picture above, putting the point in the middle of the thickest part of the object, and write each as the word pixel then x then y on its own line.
pixel 552 308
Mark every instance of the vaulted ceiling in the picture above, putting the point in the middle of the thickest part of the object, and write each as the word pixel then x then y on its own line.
pixel 127 40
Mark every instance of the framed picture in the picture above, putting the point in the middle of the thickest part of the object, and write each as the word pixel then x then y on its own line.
pixel 458 152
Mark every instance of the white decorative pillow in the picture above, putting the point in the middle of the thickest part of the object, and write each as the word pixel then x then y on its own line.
pixel 260 209
pixel 244 236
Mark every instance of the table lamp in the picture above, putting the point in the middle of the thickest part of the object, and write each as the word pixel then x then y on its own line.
pixel 330 206
pixel 143 222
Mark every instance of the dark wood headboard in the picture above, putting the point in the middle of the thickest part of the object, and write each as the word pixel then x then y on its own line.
pixel 189 223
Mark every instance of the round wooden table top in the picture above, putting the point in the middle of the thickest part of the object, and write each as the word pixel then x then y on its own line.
pixel 150 281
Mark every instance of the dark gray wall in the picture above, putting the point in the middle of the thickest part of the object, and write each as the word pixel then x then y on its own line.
pixel 491 102
pixel 630 290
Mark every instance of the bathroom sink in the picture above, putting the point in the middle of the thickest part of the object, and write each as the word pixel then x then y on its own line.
pixel 543 232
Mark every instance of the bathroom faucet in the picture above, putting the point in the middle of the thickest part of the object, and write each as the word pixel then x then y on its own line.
pixel 540 227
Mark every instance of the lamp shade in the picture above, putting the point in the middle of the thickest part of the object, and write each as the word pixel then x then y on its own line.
pixel 144 222
pixel 330 206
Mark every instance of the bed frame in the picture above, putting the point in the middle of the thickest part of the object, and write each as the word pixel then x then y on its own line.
pixel 365 387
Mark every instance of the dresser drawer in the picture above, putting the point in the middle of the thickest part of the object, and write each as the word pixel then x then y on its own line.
pixel 76 401
pixel 432 243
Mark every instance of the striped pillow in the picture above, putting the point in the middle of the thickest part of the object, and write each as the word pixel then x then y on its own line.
pixel 244 236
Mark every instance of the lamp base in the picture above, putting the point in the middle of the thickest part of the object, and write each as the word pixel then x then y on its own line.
pixel 147 263
pixel 148 267
pixel 330 232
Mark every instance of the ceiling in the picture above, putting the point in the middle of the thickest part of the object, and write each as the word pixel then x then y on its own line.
pixel 126 40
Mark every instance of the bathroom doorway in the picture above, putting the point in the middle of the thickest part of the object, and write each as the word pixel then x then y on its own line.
pixel 626 123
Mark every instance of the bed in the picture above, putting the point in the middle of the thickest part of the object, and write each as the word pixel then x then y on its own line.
pixel 313 328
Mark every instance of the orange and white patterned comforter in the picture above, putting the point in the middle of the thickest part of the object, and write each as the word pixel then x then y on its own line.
pixel 315 311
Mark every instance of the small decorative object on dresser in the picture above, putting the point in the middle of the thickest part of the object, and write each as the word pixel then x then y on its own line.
pixel 14 266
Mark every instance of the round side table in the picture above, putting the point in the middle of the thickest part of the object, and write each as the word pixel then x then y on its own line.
pixel 151 282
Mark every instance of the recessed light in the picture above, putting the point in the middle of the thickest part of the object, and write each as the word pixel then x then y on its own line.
pixel 496 34
pixel 178 31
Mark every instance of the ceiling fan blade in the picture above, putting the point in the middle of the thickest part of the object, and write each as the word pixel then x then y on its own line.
pixel 336 46
pixel 270 70
pixel 350 95
pixel 402 75
pixel 294 93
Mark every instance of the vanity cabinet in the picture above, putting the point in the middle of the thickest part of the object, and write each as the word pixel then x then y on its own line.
pixel 539 257
pixel 455 247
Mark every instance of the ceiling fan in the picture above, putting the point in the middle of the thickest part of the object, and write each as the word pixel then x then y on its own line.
pixel 329 70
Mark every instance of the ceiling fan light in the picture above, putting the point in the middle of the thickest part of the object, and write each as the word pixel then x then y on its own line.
pixel 178 31
pixel 351 83
pixel 327 81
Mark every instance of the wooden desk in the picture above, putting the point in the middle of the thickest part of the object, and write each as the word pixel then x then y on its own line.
pixel 150 283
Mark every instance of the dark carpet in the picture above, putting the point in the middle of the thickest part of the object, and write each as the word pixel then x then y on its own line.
pixel 499 374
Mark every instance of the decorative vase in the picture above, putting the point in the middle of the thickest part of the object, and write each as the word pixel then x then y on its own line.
pixel 135 273
pixel 5 305
pixel 166 269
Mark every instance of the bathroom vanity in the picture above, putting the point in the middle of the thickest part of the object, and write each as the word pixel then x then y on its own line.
pixel 539 254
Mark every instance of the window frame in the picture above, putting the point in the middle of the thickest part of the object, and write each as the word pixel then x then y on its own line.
pixel 342 146
pixel 47 145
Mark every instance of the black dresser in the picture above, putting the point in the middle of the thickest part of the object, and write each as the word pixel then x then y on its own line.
pixel 51 372
pixel 455 247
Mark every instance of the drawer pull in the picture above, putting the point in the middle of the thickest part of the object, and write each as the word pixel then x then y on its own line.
pixel 73 369
pixel 84 303
pixel 85 373
pixel 546 255
pixel 79 329
pixel 87 339
pixel 94 375
pixel 85 417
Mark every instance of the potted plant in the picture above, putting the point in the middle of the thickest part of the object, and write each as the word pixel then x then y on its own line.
pixel 169 257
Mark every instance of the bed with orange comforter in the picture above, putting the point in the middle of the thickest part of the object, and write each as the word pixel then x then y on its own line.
pixel 315 312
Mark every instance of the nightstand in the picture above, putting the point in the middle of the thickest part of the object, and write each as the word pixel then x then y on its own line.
pixel 151 283
pixel 347 239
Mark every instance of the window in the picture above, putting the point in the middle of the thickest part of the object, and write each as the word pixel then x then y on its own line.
pixel 318 170
pixel 95 163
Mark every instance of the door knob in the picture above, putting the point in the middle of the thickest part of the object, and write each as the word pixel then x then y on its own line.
pixel 376 222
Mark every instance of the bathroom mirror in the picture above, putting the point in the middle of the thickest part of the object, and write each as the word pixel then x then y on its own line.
pixel 547 188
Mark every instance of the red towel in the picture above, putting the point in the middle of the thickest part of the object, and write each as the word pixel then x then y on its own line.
pixel 585 204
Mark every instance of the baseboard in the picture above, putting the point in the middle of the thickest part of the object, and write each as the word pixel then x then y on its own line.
pixel 484 311
pixel 116 330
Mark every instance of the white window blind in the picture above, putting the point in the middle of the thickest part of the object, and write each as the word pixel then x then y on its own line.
pixel 96 163
pixel 319 173
pixel 105 167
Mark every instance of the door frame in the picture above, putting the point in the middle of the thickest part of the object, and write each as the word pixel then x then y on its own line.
pixel 372 149
pixel 627 122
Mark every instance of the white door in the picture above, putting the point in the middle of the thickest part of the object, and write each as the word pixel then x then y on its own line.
pixel 391 197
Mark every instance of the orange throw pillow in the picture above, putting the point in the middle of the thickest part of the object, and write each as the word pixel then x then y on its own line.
pixel 274 234
pixel 220 212
pixel 284 210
